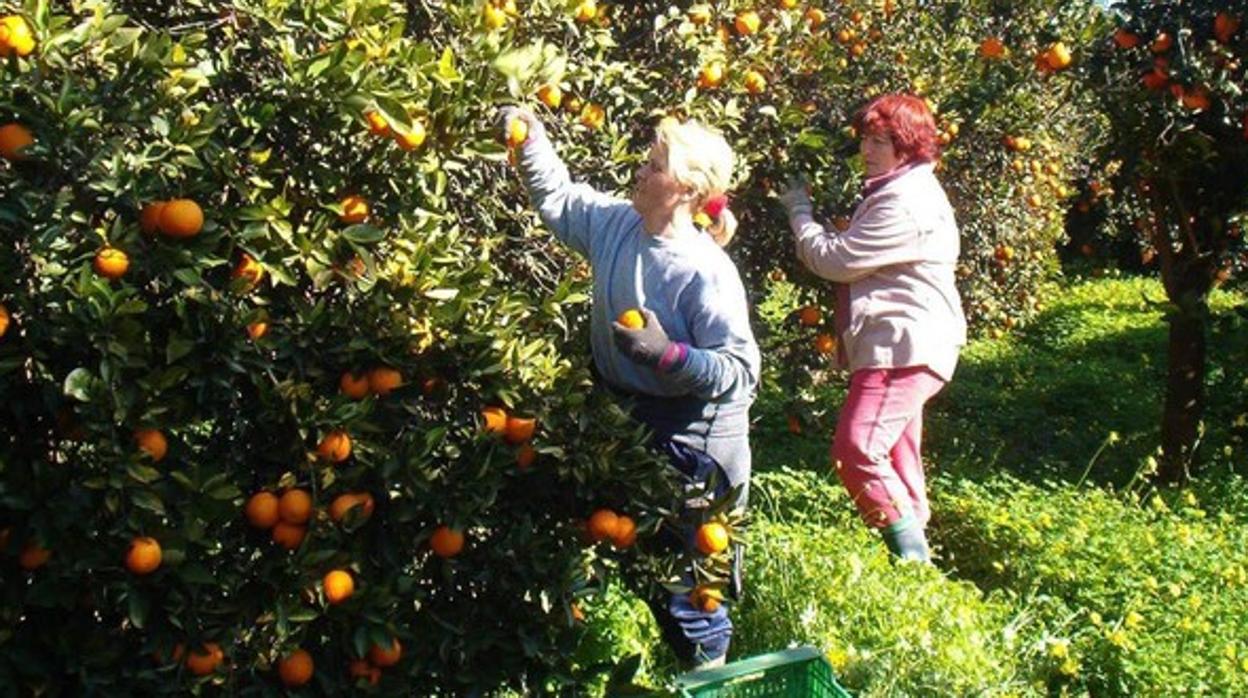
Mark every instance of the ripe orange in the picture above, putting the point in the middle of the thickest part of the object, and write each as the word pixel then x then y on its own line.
pixel 386 656
pixel 412 138
pixel 519 429
pixel 632 319
pixel 578 615
pixel 295 669
pixel 593 116
pixel 143 556
pixel 289 535
pixel 257 329
pixel 586 11
pixel 712 538
pixel 706 599
pixel 1162 43
pixel 747 23
pixel 1057 56
pixel 262 510
pixel 345 503
pixel 602 524
pixel 149 217
pixel 755 83
pixel 446 541
pixel 33 556
pixel 181 218
pixel 205 660
pixel 4 320
pixel 152 442
pixel 625 532
pixel 111 263
pixel 786 4
pixel 550 95
pixel 809 316
pixel 825 343
pixel 1196 99
pixel 16 38
pixel 295 506
pixel 495 420
pixel 335 446
pixel 991 48
pixel 1224 27
pixel 517 133
pixel 339 586
pixel 362 669
pixel 353 385
pixel 711 75
pixel 354 209
pixel 525 456
pixel 249 270
pixel 382 380
pixel 815 17
pixel 1125 39
pixel 14 138
pixel 377 124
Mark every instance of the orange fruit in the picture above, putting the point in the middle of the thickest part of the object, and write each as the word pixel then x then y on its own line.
pixel 295 669
pixel 755 83
pixel 149 217
pixel 1057 56
pixel 991 47
pixel 550 95
pixel 1197 99
pixel 815 17
pixel 525 456
pixel 382 380
pixel 143 556
pixel 345 503
pixel 33 556
pixel 517 133
pixel 700 14
pixel 706 599
pixel 205 660
pixel 111 263
pixel 249 270
pixel 354 209
pixel 4 320
pixel 809 316
pixel 625 532
pixel 446 541
pixel 363 669
pixel 335 446
pixel 786 4
pixel 412 138
pixel 295 506
pixel 257 329
pixel 261 510
pixel 1125 39
pixel 289 535
pixel 1224 27
pixel 339 586
pixel 152 442
pixel 495 420
pixel 586 11
pixel 354 385
pixel 632 319
pixel 602 524
pixel 181 218
pixel 386 656
pixel 593 116
pixel 747 23
pixel 493 17
pixel 519 429
pixel 711 75
pixel 16 38
pixel 14 138
pixel 377 124
pixel 711 538
pixel 825 344
pixel 1161 43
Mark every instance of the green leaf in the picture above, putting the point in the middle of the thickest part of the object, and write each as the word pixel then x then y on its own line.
pixel 225 492
pixel 149 500
pixel 363 233
pixel 177 347
pixel 145 474
pixel 80 383
pixel 138 609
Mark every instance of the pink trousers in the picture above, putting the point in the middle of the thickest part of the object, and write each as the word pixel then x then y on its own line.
pixel 878 441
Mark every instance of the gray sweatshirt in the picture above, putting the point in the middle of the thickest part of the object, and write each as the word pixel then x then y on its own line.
pixel 687 280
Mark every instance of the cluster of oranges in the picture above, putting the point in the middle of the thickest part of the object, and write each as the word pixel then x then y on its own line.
pixel 1158 78
pixel 409 138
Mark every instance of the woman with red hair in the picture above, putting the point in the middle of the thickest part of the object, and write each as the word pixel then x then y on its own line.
pixel 898 315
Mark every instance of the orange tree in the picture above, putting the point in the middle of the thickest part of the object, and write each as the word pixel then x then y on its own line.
pixel 1173 81
pixel 292 393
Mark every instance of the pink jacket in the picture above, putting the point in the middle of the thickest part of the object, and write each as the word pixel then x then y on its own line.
pixel 897 260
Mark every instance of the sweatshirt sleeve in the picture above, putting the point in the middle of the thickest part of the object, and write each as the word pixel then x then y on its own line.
pixel 723 361
pixel 885 234
pixel 575 212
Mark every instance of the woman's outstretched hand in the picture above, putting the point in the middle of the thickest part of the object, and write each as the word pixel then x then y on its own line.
pixel 505 119
pixel 796 198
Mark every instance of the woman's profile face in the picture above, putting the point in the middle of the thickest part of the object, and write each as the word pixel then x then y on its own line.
pixel 878 153
pixel 654 189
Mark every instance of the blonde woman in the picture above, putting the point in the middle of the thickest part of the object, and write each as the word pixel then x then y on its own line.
pixel 690 372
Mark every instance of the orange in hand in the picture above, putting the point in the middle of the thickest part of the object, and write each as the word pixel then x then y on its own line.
pixel 632 319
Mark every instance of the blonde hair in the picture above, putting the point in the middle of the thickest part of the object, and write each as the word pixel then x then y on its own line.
pixel 700 159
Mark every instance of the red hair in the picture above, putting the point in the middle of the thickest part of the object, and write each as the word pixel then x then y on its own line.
pixel 907 121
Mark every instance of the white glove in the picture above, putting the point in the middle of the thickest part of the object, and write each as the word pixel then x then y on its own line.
pixel 505 115
pixel 797 203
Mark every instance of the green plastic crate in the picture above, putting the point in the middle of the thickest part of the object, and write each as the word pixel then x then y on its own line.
pixel 797 673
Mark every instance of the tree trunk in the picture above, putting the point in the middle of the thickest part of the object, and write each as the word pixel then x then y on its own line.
pixel 1185 392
